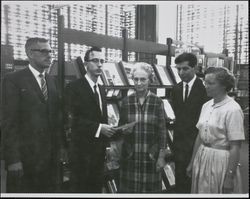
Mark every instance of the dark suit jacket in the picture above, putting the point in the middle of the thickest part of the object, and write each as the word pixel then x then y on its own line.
pixel 86 117
pixel 187 115
pixel 30 124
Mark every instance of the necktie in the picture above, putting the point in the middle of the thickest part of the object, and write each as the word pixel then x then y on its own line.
pixel 43 86
pixel 96 96
pixel 186 93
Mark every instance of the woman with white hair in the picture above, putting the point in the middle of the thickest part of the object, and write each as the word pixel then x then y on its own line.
pixel 143 149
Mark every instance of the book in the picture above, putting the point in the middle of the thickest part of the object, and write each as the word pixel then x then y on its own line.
pixel 215 62
pixel 176 74
pixel 127 68
pixel 113 114
pixel 163 75
pixel 112 75
pixel 168 109
pixel 110 93
pixel 168 176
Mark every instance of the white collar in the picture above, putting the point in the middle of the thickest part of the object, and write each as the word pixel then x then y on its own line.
pixel 35 72
pixel 191 82
pixel 90 81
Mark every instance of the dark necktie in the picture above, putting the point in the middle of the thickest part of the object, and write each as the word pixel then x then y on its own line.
pixel 96 96
pixel 186 93
pixel 43 86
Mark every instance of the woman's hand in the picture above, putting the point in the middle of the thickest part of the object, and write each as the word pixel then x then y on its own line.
pixel 189 170
pixel 228 183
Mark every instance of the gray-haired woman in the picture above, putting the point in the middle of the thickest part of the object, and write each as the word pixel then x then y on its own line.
pixel 143 149
pixel 216 150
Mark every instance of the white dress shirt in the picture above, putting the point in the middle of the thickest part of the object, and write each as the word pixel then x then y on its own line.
pixel 36 74
pixel 190 85
pixel 92 84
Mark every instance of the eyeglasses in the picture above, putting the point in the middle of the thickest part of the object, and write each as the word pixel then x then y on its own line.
pixel 43 51
pixel 142 80
pixel 96 60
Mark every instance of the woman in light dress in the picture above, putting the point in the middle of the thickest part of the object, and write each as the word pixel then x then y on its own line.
pixel 216 151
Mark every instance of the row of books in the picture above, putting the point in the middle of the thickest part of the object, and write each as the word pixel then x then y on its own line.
pixel 119 74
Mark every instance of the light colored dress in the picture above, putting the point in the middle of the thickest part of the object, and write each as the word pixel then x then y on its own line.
pixel 218 124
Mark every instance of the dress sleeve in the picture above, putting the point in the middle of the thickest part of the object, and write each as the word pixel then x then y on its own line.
pixel 234 124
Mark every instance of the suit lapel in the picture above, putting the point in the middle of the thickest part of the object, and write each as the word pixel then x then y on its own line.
pixel 90 92
pixel 31 80
pixel 193 90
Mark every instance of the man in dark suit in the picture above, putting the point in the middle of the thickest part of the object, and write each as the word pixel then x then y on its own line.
pixel 31 135
pixel 85 102
pixel 188 96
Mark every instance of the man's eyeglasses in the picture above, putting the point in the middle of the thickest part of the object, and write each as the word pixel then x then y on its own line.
pixel 43 51
pixel 96 60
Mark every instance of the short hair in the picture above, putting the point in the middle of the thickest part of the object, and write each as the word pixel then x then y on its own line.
pixel 190 57
pixel 144 66
pixel 94 48
pixel 34 40
pixel 223 75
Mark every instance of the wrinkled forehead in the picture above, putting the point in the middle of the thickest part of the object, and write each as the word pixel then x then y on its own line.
pixel 96 54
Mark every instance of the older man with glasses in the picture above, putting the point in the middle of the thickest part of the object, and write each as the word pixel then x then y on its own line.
pixel 31 122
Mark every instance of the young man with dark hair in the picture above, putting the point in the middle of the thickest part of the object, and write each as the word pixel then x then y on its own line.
pixel 187 98
pixel 85 102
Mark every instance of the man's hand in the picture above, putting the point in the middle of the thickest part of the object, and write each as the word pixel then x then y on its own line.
pixel 107 130
pixel 15 169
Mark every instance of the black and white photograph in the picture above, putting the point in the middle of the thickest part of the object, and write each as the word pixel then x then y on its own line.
pixel 134 99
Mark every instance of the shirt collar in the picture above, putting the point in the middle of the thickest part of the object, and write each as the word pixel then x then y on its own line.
pixel 90 81
pixel 226 100
pixel 35 72
pixel 191 82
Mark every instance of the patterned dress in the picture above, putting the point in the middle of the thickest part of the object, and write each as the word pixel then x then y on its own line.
pixel 218 124
pixel 140 149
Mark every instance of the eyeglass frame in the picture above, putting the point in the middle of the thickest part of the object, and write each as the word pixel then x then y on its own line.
pixel 43 51
pixel 96 60
pixel 142 80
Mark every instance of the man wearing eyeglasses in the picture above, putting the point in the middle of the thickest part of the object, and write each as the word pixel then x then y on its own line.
pixel 85 101
pixel 31 121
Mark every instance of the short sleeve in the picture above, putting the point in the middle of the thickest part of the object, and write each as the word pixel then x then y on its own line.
pixel 234 124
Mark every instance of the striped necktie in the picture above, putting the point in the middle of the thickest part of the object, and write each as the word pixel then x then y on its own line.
pixel 43 86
